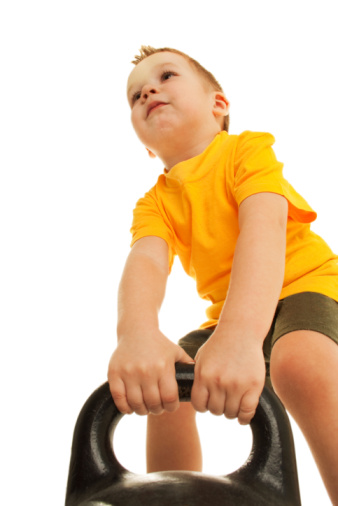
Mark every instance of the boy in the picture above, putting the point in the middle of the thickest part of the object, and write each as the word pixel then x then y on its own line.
pixel 223 206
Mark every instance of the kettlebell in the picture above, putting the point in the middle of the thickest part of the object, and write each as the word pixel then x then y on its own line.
pixel 268 477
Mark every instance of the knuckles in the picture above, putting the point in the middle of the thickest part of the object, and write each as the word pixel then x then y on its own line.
pixel 139 370
pixel 223 381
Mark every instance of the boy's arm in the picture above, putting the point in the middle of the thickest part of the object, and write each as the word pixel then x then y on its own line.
pixel 230 368
pixel 141 371
pixel 142 286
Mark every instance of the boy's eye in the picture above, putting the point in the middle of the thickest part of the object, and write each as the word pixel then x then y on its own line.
pixel 135 97
pixel 167 75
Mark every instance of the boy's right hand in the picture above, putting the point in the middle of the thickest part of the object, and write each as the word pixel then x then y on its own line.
pixel 141 374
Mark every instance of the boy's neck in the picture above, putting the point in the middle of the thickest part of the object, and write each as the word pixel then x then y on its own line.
pixel 179 152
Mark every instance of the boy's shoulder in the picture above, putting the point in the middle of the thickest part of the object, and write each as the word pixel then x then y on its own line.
pixel 250 135
pixel 251 141
pixel 244 143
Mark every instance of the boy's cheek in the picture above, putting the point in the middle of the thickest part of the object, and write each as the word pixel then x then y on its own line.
pixel 135 125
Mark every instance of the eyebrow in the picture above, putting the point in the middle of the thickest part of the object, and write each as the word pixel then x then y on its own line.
pixel 157 67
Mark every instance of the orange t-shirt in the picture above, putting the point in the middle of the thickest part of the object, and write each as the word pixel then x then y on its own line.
pixel 194 208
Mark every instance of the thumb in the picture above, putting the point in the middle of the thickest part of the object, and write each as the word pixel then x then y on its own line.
pixel 184 357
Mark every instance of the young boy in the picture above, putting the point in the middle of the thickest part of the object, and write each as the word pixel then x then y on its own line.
pixel 241 230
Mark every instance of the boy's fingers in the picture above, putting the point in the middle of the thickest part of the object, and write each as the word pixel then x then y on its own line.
pixel 248 407
pixel 217 401
pixel 118 391
pixel 199 397
pixel 232 405
pixel 152 398
pixel 136 401
pixel 169 391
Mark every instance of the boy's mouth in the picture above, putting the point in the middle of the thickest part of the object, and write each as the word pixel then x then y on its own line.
pixel 154 105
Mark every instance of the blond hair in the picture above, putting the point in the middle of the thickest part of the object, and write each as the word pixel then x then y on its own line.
pixel 147 51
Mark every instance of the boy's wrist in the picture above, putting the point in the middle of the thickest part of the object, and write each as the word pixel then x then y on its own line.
pixel 133 330
pixel 242 329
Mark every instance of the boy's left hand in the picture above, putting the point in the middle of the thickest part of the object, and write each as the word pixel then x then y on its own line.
pixel 229 376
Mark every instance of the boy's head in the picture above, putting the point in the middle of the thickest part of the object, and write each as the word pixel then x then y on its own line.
pixel 172 99
pixel 209 78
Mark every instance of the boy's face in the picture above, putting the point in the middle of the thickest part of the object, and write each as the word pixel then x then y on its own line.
pixel 170 102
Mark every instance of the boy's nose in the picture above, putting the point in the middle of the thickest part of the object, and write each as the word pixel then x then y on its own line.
pixel 148 90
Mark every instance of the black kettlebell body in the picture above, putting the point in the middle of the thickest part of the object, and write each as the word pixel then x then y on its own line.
pixel 96 478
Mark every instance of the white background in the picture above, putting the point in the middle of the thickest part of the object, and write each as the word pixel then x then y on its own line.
pixel 72 170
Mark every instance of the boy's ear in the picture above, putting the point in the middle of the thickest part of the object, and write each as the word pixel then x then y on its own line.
pixel 150 153
pixel 221 104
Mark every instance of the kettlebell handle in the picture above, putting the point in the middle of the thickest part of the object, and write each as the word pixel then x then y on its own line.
pixel 93 465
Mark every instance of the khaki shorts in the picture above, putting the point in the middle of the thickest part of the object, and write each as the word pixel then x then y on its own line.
pixel 302 311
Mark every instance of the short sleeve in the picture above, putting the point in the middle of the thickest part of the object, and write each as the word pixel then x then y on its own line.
pixel 149 221
pixel 257 170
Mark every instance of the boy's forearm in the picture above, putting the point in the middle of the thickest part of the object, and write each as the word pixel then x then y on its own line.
pixel 141 293
pixel 256 280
